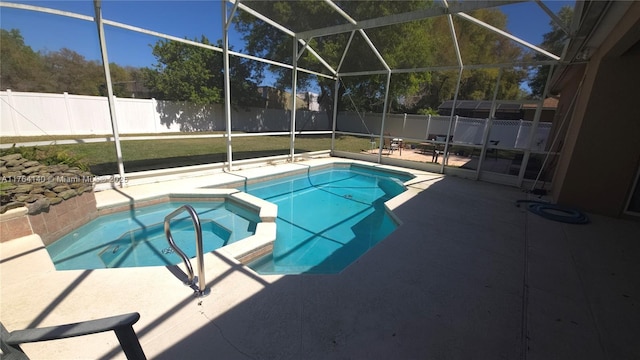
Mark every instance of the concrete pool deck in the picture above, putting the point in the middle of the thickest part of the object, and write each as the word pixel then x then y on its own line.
pixel 449 283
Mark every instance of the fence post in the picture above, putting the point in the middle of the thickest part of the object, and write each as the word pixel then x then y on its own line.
pixel 154 115
pixel 516 144
pixel 118 112
pixel 12 110
pixel 69 116
pixel 445 156
pixel 426 135
pixel 485 142
pixel 404 124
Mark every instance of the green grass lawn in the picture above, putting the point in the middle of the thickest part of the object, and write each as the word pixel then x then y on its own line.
pixel 157 154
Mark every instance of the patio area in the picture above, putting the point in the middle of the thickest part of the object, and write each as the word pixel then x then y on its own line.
pixel 467 275
pixel 464 161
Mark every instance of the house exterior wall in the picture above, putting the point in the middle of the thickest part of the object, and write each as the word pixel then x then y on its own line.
pixel 601 153
pixel 546 115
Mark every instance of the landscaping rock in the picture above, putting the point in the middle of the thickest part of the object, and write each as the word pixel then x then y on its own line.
pixel 10 157
pixel 37 190
pixel 59 168
pixel 31 170
pixel 15 162
pixel 22 197
pixel 67 194
pixel 50 184
pixel 39 186
pixel 9 174
pixel 61 188
pixel 28 164
pixel 7 186
pixel 23 189
pixel 38 206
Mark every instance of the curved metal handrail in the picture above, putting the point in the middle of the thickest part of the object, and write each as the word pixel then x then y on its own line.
pixel 201 286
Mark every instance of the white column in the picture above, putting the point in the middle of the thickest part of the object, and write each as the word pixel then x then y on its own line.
pixel 227 83
pixel 455 97
pixel 294 81
pixel 487 129
pixel 384 116
pixel 335 114
pixel 110 97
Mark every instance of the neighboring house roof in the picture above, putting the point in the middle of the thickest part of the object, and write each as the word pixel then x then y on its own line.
pixel 504 110
pixel 550 103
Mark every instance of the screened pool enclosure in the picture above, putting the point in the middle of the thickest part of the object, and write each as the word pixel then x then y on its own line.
pixel 291 79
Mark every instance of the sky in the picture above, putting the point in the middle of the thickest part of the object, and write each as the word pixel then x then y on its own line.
pixel 190 19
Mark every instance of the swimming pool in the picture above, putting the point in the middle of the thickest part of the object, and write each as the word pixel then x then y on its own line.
pixel 136 237
pixel 327 218
pixel 321 220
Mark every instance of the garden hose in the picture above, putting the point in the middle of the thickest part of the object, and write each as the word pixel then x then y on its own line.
pixel 555 212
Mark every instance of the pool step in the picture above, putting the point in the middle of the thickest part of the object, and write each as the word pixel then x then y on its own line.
pixel 121 251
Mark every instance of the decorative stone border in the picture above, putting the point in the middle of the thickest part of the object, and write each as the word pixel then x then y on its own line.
pixel 36 186
pixel 46 200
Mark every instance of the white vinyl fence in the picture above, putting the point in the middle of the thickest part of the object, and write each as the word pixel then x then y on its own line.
pixel 510 134
pixel 41 114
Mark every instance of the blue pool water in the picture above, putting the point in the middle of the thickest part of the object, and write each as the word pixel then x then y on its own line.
pixel 327 218
pixel 136 238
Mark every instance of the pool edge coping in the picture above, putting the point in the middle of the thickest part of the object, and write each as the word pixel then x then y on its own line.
pixel 261 243
pixel 243 250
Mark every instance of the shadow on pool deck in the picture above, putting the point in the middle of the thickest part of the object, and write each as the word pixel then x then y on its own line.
pixel 449 284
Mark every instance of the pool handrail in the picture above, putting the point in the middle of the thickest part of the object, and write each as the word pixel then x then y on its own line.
pixel 201 287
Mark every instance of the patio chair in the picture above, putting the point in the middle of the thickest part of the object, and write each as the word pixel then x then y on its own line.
pixel 122 325
pixel 439 148
pixel 390 144
pixel 372 144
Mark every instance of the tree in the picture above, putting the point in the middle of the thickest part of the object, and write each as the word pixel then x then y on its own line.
pixel 132 84
pixel 195 74
pixel 367 92
pixel 21 68
pixel 71 72
pixel 121 78
pixel 552 41
pixel 479 46
pixel 409 45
